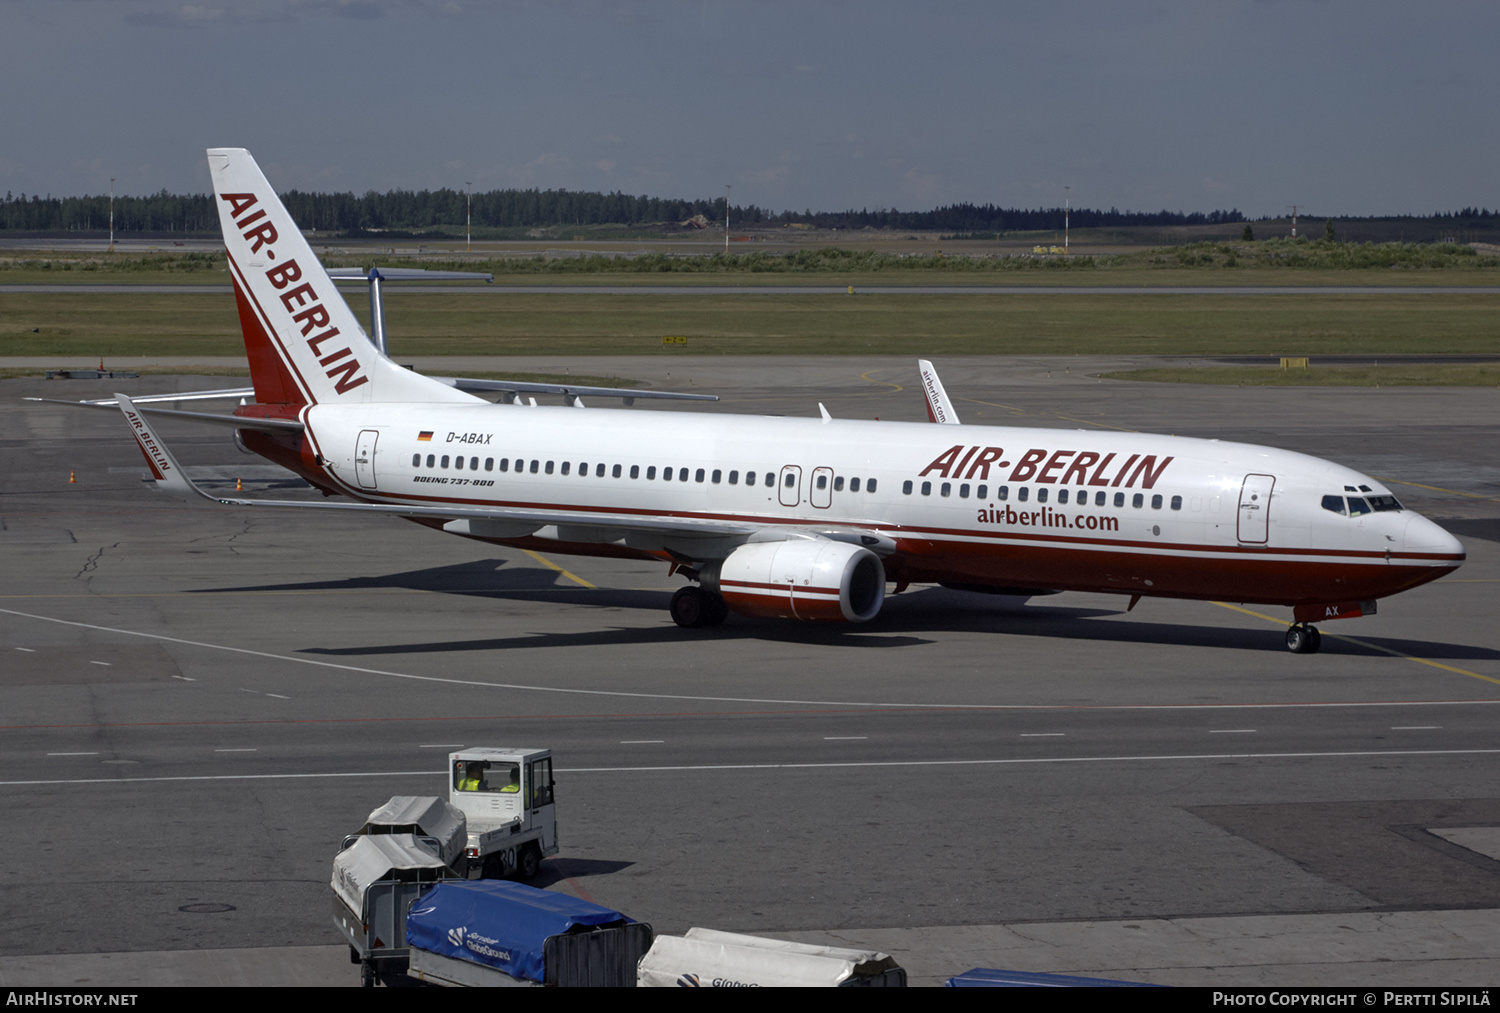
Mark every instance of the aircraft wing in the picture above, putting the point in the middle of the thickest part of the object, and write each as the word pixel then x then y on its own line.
pixel 172 478
pixel 567 390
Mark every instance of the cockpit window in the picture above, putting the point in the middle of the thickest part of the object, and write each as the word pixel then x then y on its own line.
pixel 1384 503
pixel 1334 503
pixel 1357 506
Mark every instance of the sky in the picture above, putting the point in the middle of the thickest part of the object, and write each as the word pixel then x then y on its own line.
pixel 1341 108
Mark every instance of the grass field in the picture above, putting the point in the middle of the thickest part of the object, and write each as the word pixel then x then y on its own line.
pixel 423 324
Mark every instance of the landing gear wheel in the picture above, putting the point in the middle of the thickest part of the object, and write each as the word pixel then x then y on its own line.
pixel 691 607
pixel 1303 639
pixel 718 610
pixel 528 862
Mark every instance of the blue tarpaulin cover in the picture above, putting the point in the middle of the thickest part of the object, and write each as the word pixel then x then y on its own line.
pixel 499 924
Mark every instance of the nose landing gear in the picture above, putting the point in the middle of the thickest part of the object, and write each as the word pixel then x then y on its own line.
pixel 1303 638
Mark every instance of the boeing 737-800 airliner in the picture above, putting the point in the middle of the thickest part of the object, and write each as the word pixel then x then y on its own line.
pixel 790 517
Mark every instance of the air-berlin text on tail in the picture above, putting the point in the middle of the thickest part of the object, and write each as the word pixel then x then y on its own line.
pixel 1049 467
pixel 301 301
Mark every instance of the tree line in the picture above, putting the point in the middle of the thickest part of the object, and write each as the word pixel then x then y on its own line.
pixel 418 210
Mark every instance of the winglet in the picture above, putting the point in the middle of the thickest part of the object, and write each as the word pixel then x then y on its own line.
pixel 939 408
pixel 164 467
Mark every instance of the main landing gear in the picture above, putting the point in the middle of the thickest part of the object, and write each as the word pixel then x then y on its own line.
pixel 693 607
pixel 1303 638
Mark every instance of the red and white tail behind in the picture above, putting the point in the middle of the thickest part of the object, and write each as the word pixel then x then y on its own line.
pixel 305 345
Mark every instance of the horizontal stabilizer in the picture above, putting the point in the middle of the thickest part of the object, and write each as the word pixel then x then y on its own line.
pixel 211 418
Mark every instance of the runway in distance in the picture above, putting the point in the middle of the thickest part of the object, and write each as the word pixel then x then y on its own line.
pixel 799 518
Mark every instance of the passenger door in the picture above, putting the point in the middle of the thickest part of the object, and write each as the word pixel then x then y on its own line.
pixel 1255 509
pixel 364 458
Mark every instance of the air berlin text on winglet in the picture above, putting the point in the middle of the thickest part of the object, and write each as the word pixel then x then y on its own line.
pixel 1062 467
pixel 302 301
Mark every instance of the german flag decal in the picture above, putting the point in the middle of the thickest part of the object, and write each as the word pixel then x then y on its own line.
pixel 425 436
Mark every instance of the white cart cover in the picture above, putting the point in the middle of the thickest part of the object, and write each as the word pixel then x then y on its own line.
pixel 708 958
pixel 372 859
pixel 426 815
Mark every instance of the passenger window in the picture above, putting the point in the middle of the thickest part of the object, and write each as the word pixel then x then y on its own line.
pixel 1003 493
pixel 1137 500
pixel 635 471
pixel 717 475
pixel 734 478
pixel 791 480
pixel 1062 496
pixel 489 464
pixel 567 465
pixel 473 464
pixel 444 462
pixel 1022 493
pixel 926 488
pixel 854 485
pixel 1156 502
pixel 1119 499
pixel 946 489
pixel 983 492
pixel 869 486
pixel 549 467
pixel 906 487
pixel 838 484
pixel 698 476
pixel 504 464
pixel 963 491
pixel 430 459
pixel 536 466
pixel 1041 495
pixel 770 479
pixel 416 460
pixel 614 472
pixel 1099 498
pixel 682 474
pixel 458 462
pixel 1176 502
pixel 650 472
pixel 822 482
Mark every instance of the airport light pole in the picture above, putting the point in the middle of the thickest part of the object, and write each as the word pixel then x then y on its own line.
pixel 726 218
pixel 1294 219
pixel 111 214
pixel 1067 211
pixel 468 216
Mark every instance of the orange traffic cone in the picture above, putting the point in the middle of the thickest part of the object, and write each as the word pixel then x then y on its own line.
pixel 238 486
pixel 72 478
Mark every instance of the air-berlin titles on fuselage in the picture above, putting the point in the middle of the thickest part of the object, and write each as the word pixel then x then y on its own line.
pixel 1062 467
pixel 301 301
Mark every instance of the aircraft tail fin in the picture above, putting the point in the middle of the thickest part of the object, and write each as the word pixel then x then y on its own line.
pixel 939 408
pixel 304 343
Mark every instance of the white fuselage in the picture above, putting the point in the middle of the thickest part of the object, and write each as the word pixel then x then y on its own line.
pixel 986 507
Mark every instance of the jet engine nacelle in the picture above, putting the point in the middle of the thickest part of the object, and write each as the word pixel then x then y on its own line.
pixel 801 578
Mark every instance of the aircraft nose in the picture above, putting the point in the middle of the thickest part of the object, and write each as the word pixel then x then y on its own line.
pixel 1423 536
